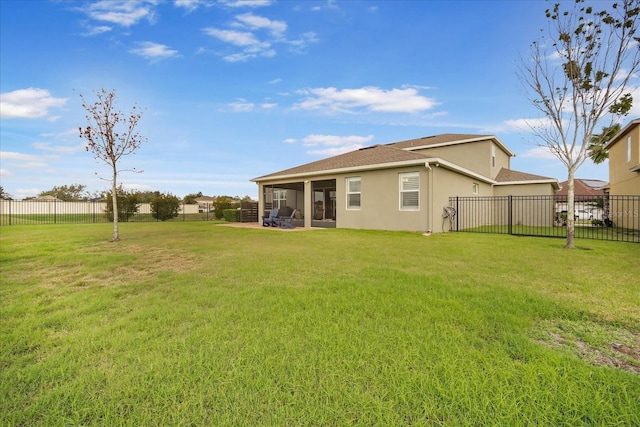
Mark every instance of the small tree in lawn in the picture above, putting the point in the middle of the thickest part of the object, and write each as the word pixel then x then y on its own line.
pixel 111 135
pixel 578 78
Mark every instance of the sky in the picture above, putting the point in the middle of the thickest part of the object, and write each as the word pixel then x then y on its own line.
pixel 236 89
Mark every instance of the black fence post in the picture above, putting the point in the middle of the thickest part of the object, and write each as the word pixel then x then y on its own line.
pixel 457 213
pixel 510 213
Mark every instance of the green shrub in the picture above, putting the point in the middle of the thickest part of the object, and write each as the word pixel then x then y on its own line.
pixel 128 205
pixel 164 206
pixel 231 215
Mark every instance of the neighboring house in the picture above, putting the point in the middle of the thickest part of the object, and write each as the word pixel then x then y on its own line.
pixel 399 186
pixel 624 161
pixel 206 203
pixel 624 176
pixel 589 196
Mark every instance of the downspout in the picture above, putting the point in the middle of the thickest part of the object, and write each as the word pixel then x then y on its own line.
pixel 429 199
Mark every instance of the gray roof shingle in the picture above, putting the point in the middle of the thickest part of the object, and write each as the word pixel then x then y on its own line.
pixel 375 155
pixel 508 175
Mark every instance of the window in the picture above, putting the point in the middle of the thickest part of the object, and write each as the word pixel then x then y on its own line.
pixel 353 193
pixel 279 199
pixel 476 188
pixel 628 149
pixel 410 191
pixel 493 156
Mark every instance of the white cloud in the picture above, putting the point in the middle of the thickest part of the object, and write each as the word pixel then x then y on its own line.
pixel 59 149
pixel 21 193
pixel 28 103
pixel 268 105
pixel 154 51
pixel 332 145
pixel 334 151
pixel 298 45
pixel 24 161
pixel 290 140
pixel 241 106
pixel 370 98
pixel 254 36
pixel 121 12
pixel 137 187
pixel 12 155
pixel 254 22
pixel 334 140
pixel 245 3
pixel 96 30
pixel 190 5
pixel 539 153
pixel 237 38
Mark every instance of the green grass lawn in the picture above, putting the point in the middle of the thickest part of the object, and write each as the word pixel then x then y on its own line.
pixel 201 324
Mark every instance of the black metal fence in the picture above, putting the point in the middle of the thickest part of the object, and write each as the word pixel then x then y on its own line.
pixel 21 212
pixel 602 218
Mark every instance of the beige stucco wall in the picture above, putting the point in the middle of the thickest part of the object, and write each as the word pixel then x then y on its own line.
pixel 524 190
pixel 475 157
pixel 380 202
pixel 621 180
pixel 448 184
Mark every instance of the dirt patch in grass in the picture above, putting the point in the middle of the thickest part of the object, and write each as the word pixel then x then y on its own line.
pixel 598 344
pixel 140 263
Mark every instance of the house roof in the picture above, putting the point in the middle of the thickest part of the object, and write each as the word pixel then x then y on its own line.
pixel 203 199
pixel 46 198
pixel 447 139
pixel 388 154
pixel 583 187
pixel 377 155
pixel 400 154
pixel 510 177
pixel 624 130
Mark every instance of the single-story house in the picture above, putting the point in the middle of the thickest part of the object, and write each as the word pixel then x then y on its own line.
pixel 399 186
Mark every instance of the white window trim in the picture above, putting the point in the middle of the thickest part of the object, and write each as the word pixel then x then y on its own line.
pixel 348 193
pixel 628 149
pixel 475 189
pixel 402 191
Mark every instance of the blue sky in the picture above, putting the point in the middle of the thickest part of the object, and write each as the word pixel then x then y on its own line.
pixel 237 89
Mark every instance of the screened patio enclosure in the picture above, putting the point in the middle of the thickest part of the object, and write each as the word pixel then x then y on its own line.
pixel 315 207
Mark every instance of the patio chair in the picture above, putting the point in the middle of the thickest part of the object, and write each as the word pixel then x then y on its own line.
pixel 287 221
pixel 271 220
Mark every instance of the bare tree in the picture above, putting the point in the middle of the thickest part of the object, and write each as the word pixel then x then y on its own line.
pixel 111 135
pixel 578 76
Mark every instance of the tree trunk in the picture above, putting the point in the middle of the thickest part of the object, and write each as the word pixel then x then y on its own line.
pixel 571 217
pixel 114 199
